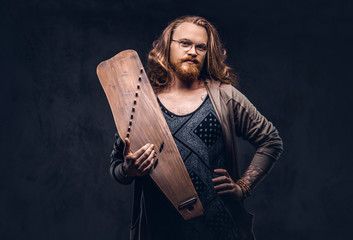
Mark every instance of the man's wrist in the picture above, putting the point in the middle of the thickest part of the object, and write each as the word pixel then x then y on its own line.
pixel 120 176
pixel 122 171
pixel 245 188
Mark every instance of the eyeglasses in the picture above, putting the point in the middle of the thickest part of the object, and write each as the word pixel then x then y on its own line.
pixel 186 45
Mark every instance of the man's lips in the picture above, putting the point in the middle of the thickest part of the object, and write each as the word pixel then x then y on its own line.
pixel 191 61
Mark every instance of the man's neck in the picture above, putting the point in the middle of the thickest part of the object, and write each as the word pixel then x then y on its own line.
pixel 183 98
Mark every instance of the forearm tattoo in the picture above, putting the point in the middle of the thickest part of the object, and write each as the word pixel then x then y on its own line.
pixel 253 176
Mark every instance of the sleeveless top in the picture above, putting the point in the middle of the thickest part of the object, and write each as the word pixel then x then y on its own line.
pixel 198 136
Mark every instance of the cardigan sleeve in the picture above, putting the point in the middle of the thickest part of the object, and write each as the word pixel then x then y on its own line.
pixel 116 162
pixel 255 128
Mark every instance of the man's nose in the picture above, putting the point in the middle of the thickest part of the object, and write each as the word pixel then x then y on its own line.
pixel 192 50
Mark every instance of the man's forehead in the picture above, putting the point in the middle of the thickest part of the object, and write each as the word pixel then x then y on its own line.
pixel 191 32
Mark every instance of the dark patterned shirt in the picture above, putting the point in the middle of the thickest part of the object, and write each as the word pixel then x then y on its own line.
pixel 198 136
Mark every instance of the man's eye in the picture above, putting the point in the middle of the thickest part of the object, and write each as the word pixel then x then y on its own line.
pixel 201 47
pixel 185 43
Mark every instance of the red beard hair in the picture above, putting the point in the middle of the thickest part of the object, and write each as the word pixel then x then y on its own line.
pixel 189 73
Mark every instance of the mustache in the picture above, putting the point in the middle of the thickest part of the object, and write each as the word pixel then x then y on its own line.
pixel 194 60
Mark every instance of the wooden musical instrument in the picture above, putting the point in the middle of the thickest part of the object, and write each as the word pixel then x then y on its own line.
pixel 138 116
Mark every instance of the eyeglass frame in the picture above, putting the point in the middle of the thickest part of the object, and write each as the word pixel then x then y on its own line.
pixel 186 49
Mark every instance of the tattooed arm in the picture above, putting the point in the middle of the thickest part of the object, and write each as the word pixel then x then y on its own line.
pixel 262 134
pixel 253 176
pixel 239 190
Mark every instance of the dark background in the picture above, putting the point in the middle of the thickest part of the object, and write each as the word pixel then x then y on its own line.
pixel 294 59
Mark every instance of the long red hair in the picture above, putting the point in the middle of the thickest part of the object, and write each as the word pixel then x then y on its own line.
pixel 158 65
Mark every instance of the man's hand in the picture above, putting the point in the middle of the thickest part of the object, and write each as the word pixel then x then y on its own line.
pixel 224 185
pixel 140 162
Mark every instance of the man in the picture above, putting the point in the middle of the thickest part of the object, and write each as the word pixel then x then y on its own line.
pixel 205 113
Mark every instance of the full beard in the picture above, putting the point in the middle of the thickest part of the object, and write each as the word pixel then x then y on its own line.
pixel 187 72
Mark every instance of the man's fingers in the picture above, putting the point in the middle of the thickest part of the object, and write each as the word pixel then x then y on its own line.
pixel 224 186
pixel 127 149
pixel 140 161
pixel 226 192
pixel 149 167
pixel 221 179
pixel 145 163
pixel 222 172
pixel 141 151
pixel 144 155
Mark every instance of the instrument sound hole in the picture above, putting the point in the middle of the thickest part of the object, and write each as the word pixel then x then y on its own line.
pixel 161 148
pixel 155 164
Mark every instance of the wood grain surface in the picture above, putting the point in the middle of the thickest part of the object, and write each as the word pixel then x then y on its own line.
pixel 138 116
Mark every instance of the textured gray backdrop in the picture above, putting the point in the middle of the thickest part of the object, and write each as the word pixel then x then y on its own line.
pixel 57 131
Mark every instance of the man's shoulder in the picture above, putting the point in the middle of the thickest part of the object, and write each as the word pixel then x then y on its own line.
pixel 231 94
pixel 227 91
pixel 228 88
pixel 219 84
